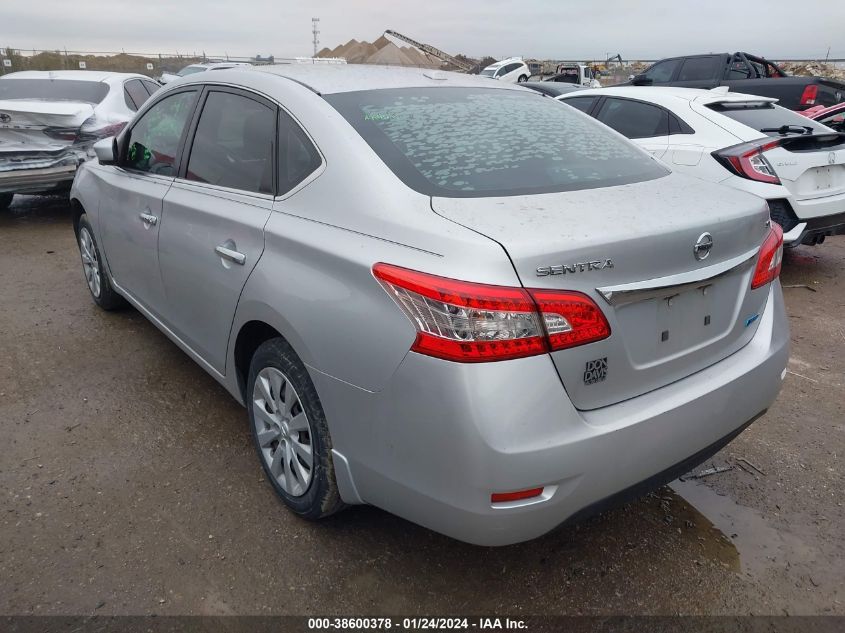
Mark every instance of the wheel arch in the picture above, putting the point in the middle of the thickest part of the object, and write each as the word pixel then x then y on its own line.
pixel 77 211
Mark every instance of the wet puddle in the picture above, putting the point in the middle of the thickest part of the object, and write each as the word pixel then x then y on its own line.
pixel 737 536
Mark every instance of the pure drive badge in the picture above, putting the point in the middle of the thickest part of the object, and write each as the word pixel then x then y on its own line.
pixel 595 371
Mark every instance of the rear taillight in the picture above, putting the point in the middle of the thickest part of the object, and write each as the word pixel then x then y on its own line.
pixel 94 130
pixel 810 94
pixel 770 258
pixel 747 160
pixel 469 322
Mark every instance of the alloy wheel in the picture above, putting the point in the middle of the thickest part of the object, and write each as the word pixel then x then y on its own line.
pixel 90 264
pixel 283 431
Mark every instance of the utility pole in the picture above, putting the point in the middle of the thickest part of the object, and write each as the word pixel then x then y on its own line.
pixel 316 33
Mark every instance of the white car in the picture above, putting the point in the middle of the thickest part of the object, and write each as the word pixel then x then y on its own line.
pixel 49 121
pixel 747 142
pixel 199 68
pixel 512 70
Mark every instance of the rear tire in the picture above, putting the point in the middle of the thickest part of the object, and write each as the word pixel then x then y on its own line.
pixel 290 432
pixel 92 267
pixel 6 200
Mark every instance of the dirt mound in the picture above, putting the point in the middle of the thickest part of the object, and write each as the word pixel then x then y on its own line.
pixel 325 52
pixel 814 69
pixel 390 55
pixel 381 42
pixel 359 53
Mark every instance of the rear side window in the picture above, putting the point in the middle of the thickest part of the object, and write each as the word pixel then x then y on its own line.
pixel 768 118
pixel 581 103
pixel 297 155
pixel 233 144
pixel 662 71
pixel 154 139
pixel 697 68
pixel 135 94
pixel 634 119
pixel 476 142
pixel 53 89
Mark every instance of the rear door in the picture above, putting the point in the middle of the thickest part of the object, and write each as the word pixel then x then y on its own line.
pixel 130 213
pixel 214 215
pixel 644 123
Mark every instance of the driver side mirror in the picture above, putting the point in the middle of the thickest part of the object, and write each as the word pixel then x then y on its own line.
pixel 642 80
pixel 106 150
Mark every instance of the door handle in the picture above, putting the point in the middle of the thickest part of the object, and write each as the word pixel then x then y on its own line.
pixel 147 218
pixel 232 256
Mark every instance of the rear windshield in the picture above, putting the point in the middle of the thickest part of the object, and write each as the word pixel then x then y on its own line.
pixel 769 118
pixel 53 89
pixel 480 142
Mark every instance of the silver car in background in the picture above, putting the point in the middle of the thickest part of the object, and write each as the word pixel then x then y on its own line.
pixel 49 121
pixel 454 299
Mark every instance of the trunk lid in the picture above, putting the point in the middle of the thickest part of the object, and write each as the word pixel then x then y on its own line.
pixel 33 124
pixel 670 313
pixel 810 166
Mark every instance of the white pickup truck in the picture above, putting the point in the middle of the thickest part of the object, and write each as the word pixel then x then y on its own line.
pixel 578 74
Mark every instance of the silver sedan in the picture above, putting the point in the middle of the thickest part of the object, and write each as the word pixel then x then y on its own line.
pixel 451 298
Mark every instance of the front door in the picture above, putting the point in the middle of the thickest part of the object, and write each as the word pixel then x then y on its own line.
pixel 212 233
pixel 132 193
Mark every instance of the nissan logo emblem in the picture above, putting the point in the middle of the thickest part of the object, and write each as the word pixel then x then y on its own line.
pixel 703 246
pixel 831 158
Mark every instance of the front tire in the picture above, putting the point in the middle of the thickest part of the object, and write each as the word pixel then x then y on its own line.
pixel 92 267
pixel 290 432
pixel 6 200
pixel 522 79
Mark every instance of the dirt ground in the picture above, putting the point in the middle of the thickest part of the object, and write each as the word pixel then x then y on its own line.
pixel 129 484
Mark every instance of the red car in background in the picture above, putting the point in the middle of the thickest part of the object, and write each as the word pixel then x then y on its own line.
pixel 833 117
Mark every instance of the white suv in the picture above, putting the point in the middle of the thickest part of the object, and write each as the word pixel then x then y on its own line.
pixel 512 70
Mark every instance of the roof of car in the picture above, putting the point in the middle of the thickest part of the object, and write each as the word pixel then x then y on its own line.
pixel 666 95
pixel 80 75
pixel 335 78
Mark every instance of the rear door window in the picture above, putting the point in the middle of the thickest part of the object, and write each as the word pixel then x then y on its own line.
pixel 136 94
pixel 151 86
pixel 698 68
pixel 233 144
pixel 481 142
pixel 634 119
pixel 154 140
pixel 581 103
pixel 768 118
pixel 662 72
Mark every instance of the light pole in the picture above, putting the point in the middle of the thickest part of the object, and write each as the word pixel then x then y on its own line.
pixel 316 33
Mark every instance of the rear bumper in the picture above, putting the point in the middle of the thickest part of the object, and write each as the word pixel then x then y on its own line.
pixel 442 437
pixel 805 230
pixel 40 175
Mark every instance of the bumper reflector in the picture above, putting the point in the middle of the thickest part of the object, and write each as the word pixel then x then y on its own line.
pixel 519 495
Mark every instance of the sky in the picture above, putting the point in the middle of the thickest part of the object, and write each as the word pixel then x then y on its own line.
pixel 544 29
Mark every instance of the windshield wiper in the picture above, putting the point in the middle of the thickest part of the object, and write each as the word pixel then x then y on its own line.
pixel 789 129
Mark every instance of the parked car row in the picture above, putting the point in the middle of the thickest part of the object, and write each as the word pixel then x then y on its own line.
pixel 429 306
